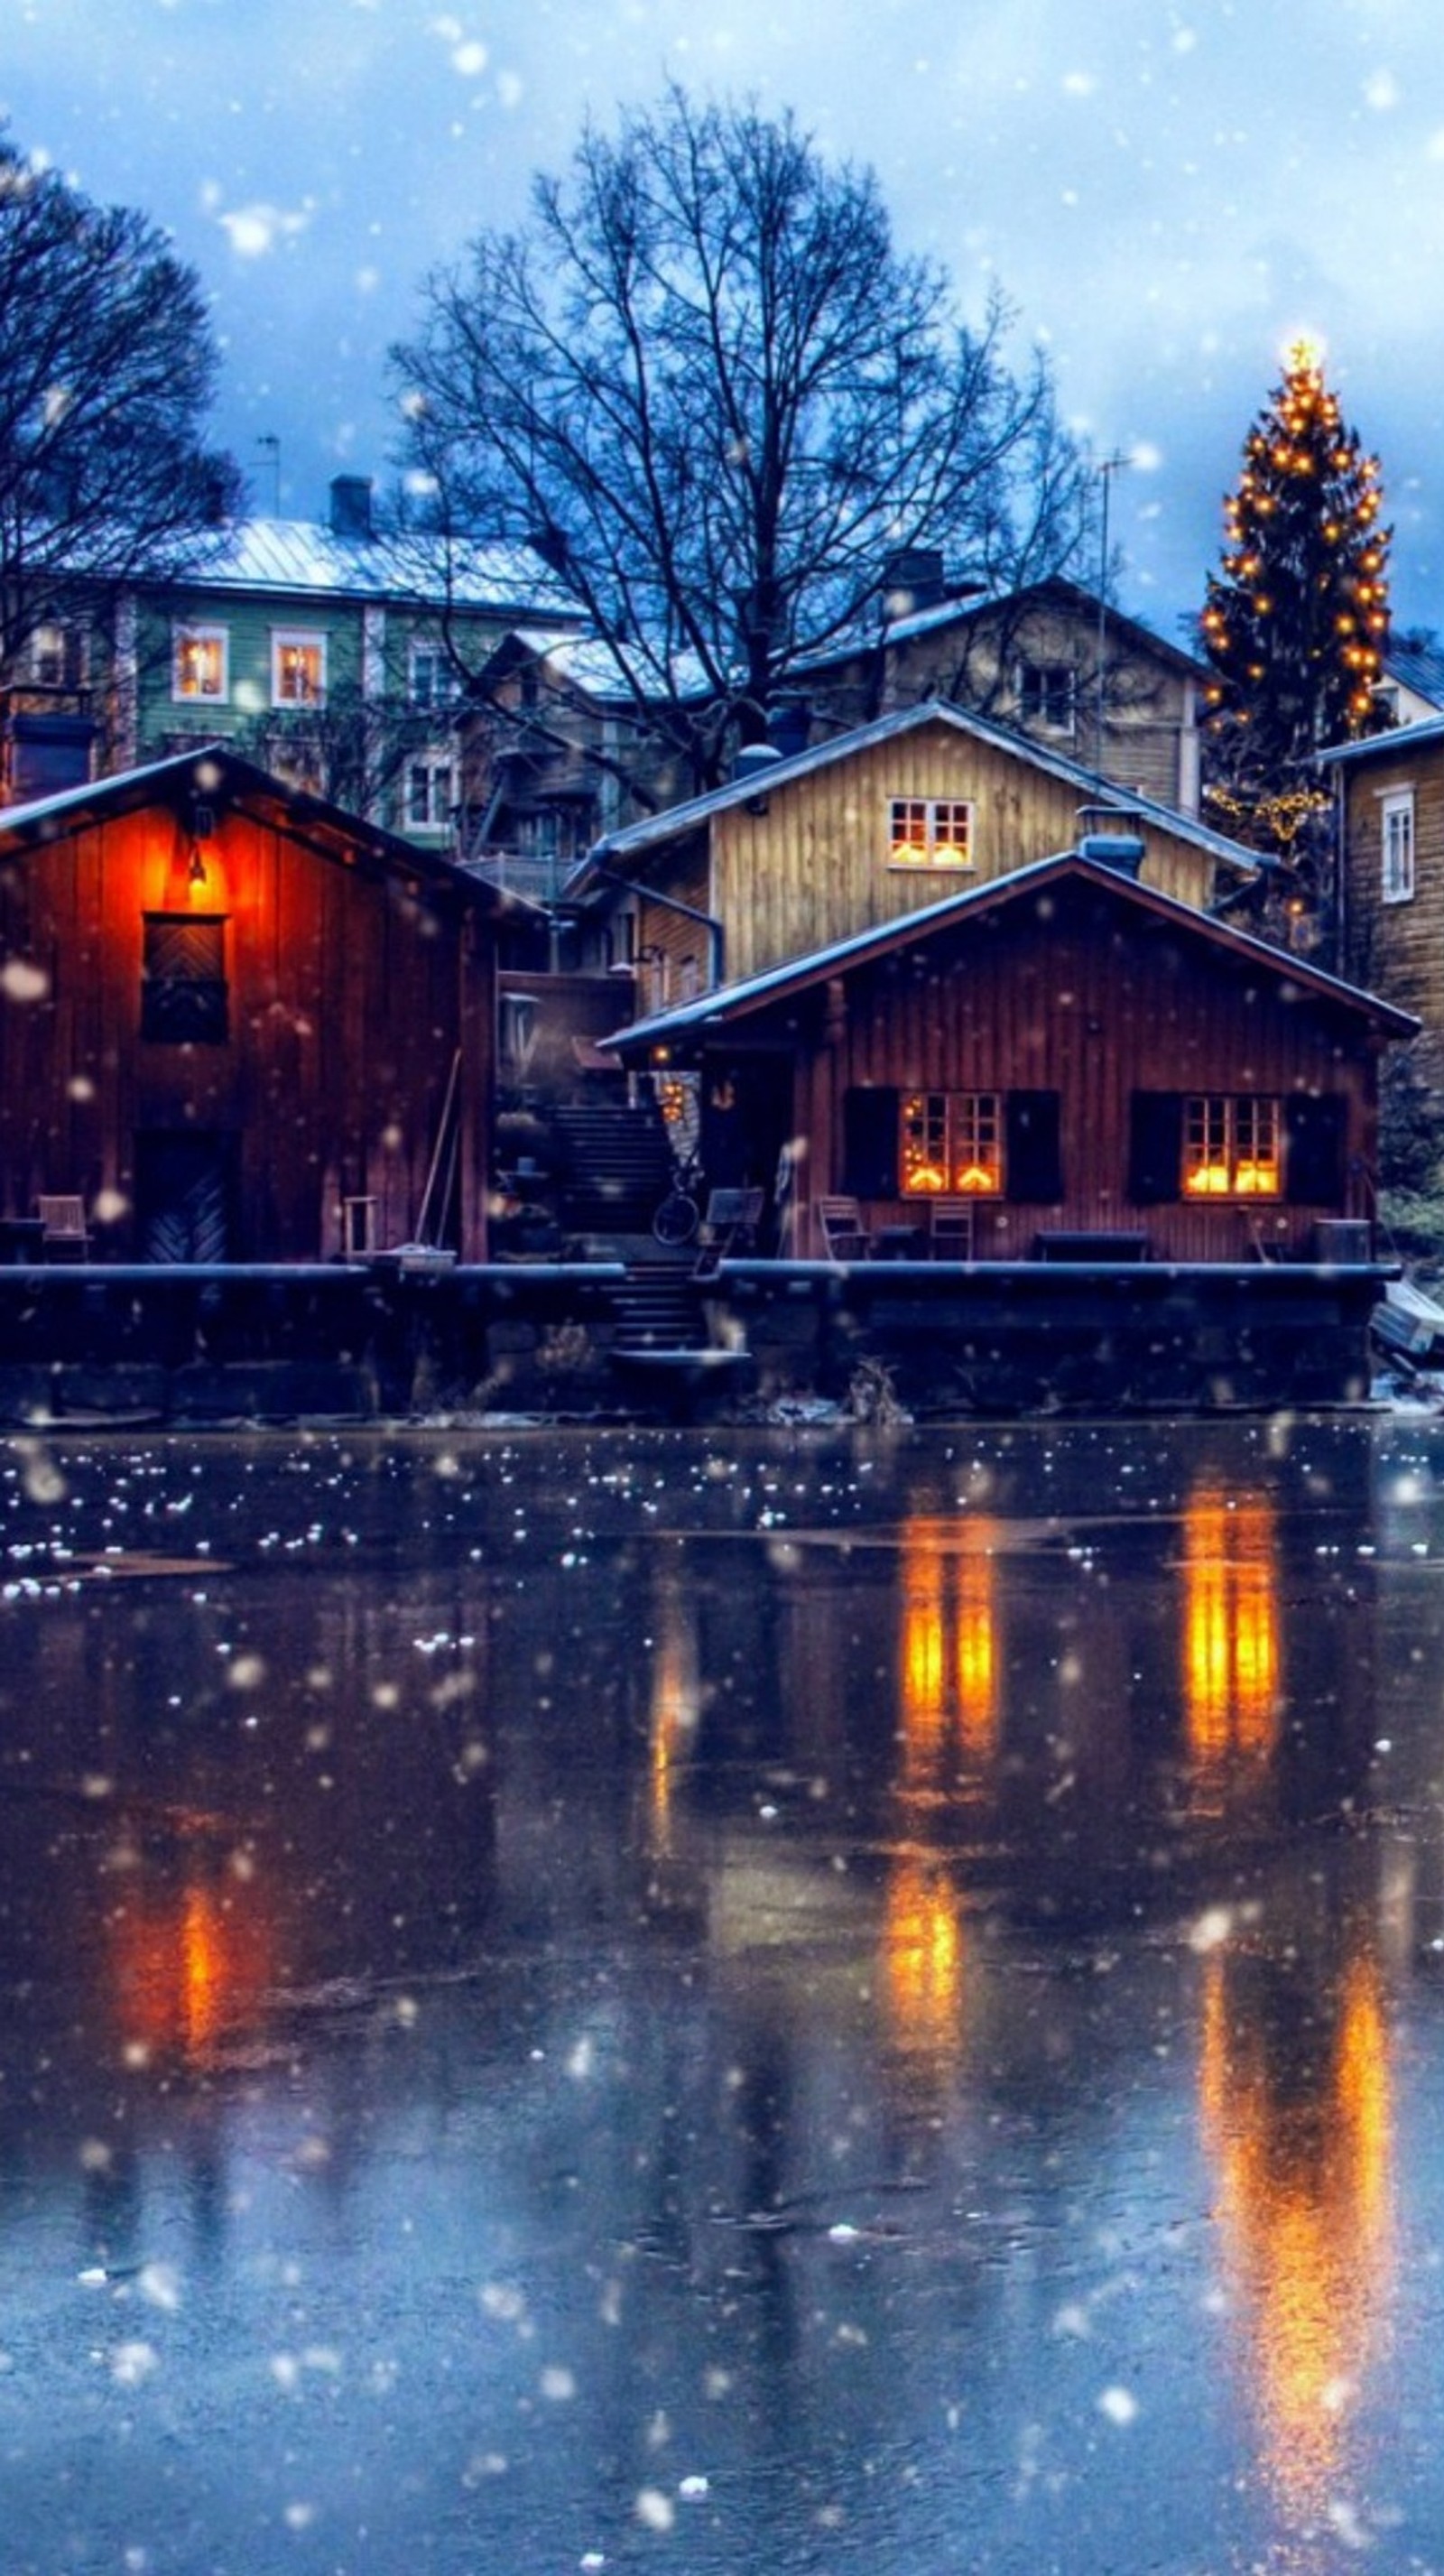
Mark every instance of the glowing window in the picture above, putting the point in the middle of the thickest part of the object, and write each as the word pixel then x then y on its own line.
pixel 1231 1148
pixel 930 832
pixel 1396 824
pixel 951 1144
pixel 298 670
pixel 199 658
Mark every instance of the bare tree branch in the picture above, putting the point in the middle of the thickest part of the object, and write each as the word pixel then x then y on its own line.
pixel 704 384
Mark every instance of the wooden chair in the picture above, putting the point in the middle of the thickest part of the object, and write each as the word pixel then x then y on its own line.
pixel 729 1225
pixel 951 1229
pixel 844 1234
pixel 63 1232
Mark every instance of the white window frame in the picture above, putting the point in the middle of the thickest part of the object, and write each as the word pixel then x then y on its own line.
pixel 441 690
pixel 431 766
pixel 292 639
pixel 922 832
pixel 187 631
pixel 1396 845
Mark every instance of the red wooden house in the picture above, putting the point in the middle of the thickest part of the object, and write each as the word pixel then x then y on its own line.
pixel 238 1024
pixel 1073 1061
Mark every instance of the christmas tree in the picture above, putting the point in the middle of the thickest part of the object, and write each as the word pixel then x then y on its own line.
pixel 1296 620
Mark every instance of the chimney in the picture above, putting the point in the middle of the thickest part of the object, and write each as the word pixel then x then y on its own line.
pixel 913 578
pixel 351 505
pixel 1110 839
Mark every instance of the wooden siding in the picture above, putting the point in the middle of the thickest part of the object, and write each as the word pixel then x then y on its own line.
pixel 1089 1003
pixel 813 867
pixel 1397 949
pixel 1150 727
pixel 674 952
pixel 349 994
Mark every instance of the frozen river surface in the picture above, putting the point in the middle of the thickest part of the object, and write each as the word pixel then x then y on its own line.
pixel 780 2003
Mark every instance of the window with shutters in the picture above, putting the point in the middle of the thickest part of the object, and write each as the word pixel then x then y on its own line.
pixel 951 1144
pixel 183 996
pixel 1231 1147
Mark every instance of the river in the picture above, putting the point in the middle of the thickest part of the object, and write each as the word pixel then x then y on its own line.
pixel 778 2001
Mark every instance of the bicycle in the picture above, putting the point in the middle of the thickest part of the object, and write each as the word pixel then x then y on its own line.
pixel 679 1214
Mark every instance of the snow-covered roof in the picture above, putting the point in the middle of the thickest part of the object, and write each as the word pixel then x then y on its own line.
pixel 1092 789
pixel 303 556
pixel 1418 666
pixel 213 773
pixel 968 608
pixel 730 1001
pixel 1375 746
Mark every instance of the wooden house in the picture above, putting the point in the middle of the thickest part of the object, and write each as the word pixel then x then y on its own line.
pixel 1390 843
pixel 1071 1060
pixel 1051 660
pixel 237 1024
pixel 797 854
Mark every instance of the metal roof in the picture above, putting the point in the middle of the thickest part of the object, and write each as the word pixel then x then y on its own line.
pixel 1092 789
pixel 1374 746
pixel 303 556
pixel 730 1001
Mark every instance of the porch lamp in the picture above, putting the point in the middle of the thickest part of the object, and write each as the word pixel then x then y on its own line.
pixel 202 826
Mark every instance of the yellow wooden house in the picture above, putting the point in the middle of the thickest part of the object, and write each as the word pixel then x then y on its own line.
pixel 794 854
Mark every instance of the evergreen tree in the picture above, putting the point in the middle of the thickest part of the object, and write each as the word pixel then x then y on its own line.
pixel 1295 621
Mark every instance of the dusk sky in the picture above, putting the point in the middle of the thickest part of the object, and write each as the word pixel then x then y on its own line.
pixel 1166 193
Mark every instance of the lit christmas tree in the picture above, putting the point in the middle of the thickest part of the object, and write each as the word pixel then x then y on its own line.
pixel 1296 622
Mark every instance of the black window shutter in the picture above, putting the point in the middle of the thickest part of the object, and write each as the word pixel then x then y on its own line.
pixel 1155 1147
pixel 1314 1151
pixel 1033 1155
pixel 870 1144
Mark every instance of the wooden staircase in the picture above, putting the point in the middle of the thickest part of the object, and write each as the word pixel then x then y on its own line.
pixel 658 1307
pixel 616 1167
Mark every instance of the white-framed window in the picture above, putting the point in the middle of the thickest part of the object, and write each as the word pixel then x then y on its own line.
pixel 200 662
pixel 430 678
pixel 57 656
pixel 430 794
pixel 1047 696
pixel 1396 835
pixel 929 832
pixel 951 1144
pixel 1231 1147
pixel 298 667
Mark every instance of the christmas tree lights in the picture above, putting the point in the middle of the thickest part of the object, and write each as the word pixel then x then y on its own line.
pixel 1296 621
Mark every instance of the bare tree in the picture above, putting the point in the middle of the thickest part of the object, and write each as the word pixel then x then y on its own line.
pixel 707 389
pixel 107 368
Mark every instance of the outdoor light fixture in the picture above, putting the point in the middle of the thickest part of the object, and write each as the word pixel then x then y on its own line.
pixel 196 872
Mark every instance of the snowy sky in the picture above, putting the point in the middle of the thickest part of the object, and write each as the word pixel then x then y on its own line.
pixel 1167 194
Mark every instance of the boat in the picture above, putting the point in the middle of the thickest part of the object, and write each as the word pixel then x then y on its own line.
pixel 1410 1323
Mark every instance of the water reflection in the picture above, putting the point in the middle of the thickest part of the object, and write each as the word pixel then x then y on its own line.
pixel 878 1994
pixel 1296 2095
pixel 1230 1659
